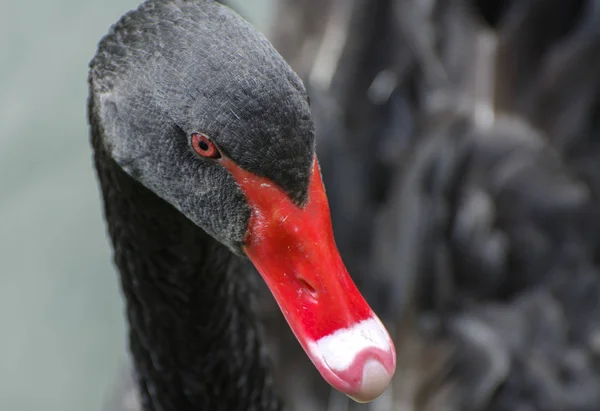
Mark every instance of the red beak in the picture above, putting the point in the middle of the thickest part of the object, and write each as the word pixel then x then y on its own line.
pixel 294 250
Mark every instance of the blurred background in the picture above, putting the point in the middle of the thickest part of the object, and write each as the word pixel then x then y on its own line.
pixel 460 148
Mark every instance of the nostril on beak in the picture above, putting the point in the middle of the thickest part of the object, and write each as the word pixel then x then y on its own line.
pixel 306 286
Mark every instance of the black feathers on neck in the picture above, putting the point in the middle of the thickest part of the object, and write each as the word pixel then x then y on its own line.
pixel 192 336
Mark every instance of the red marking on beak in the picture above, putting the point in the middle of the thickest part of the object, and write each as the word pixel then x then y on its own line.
pixel 294 250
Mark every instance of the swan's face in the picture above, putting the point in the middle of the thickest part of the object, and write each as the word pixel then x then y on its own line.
pixel 212 76
pixel 200 109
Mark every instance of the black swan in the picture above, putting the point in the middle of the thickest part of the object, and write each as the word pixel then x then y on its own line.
pixel 205 153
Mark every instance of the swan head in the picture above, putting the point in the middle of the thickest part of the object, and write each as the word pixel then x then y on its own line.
pixel 198 107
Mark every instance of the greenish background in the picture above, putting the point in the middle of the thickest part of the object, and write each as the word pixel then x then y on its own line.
pixel 62 335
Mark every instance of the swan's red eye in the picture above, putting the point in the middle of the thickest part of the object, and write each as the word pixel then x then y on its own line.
pixel 204 147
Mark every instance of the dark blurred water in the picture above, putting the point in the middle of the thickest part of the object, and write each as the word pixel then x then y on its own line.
pixel 61 324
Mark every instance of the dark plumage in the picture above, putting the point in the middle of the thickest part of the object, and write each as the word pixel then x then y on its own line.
pixel 166 70
pixel 170 67
pixel 185 296
pixel 459 142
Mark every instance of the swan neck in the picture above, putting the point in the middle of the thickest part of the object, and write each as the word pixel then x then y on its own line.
pixel 192 338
